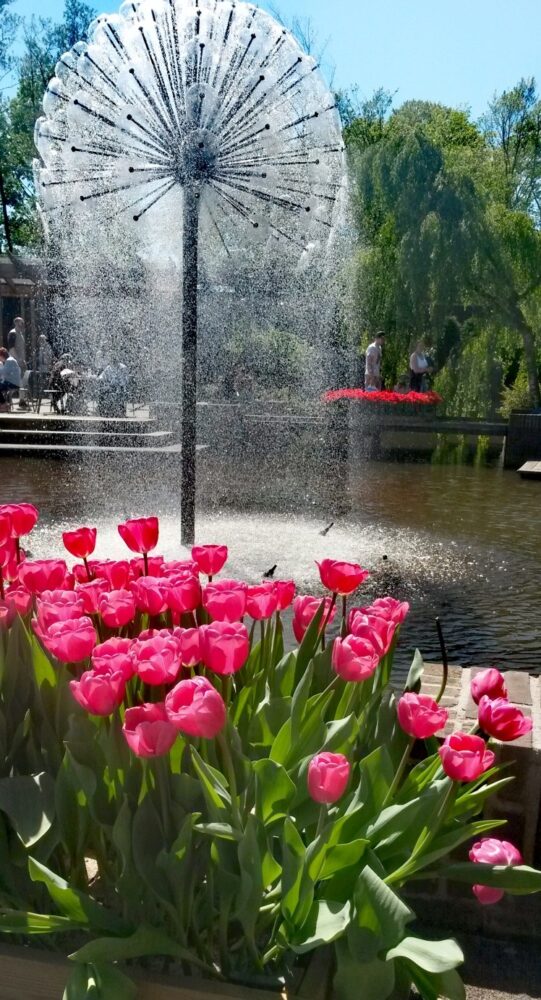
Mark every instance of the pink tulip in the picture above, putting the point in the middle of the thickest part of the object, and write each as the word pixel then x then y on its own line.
pixel 150 593
pixel 261 601
pixel 341 577
pixel 225 600
pixel 99 691
pixel 117 572
pixel 183 592
pixel 7 616
pixel 224 647
pixel 285 592
pixel 140 534
pixel 157 659
pixel 90 594
pixel 20 600
pixel 114 655
pixel 195 708
pixel 304 610
pixel 48 614
pixel 42 574
pixel 210 559
pixel 117 608
pixel 80 543
pixel 176 567
pixel 488 682
pixel 24 517
pixel 5 528
pixel 389 608
pixel 70 641
pixel 420 716
pixel 189 640
pixel 354 659
pixel 502 720
pixel 491 851
pixel 328 776
pixel 148 731
pixel 464 757
pixel 379 631
pixel 155 566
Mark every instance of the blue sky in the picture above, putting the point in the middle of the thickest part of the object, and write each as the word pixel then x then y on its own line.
pixel 458 52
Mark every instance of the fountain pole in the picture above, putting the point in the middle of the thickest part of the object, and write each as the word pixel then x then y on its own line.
pixel 190 240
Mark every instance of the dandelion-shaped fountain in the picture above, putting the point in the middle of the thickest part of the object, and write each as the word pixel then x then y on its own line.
pixel 211 105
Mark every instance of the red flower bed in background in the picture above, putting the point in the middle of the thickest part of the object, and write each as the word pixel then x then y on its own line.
pixel 414 398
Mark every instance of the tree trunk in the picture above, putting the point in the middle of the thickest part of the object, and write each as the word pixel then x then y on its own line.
pixel 5 215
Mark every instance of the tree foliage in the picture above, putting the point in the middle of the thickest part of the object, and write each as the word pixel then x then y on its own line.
pixel 450 244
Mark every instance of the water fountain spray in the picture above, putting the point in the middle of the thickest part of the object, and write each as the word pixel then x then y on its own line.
pixel 212 99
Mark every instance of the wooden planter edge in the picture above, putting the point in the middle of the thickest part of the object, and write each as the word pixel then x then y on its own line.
pixel 39 975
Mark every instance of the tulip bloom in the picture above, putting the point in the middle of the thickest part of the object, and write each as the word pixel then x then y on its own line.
pixel 20 600
pixel 114 655
pixel 148 731
pixel 189 640
pixel 304 610
pixel 225 600
pixel 80 543
pixel 354 659
pixel 5 528
pixel 261 601
pixel 42 574
pixel 502 720
pixel 389 608
pixel 183 592
pixel 379 631
pixel 154 567
pixel 195 708
pixel 285 592
pixel 99 691
pixel 48 614
pixel 328 775
pixel 420 716
pixel 140 534
pixel 491 851
pixel 150 593
pixel 23 516
pixel 341 577
pixel 488 682
pixel 117 572
pixel 90 593
pixel 224 647
pixel 210 559
pixel 70 641
pixel 156 659
pixel 464 757
pixel 117 608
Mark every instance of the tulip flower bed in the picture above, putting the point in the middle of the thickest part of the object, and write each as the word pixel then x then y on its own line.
pixel 178 789
pixel 384 396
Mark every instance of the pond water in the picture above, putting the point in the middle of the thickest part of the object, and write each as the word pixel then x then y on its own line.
pixel 463 543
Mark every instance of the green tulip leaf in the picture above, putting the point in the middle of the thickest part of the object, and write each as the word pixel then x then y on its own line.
pixel 326 923
pixel 19 922
pixel 29 802
pixel 274 791
pixel 145 941
pixel 432 956
pixel 519 880
pixel 415 674
pixel 76 905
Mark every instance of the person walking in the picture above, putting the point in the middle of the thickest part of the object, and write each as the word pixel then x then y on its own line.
pixel 17 339
pixel 419 367
pixel 372 375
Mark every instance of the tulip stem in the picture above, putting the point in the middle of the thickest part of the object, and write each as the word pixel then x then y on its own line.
pixel 18 549
pixel 444 660
pixel 145 562
pixel 327 618
pixel 399 772
pixel 344 630
pixel 231 777
pixel 322 819
pixel 87 567
pixel 2 591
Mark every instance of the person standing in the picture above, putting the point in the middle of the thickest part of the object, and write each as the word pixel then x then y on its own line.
pixel 419 367
pixel 372 375
pixel 10 375
pixel 16 337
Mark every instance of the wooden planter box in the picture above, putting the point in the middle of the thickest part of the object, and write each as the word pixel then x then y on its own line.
pixel 29 974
